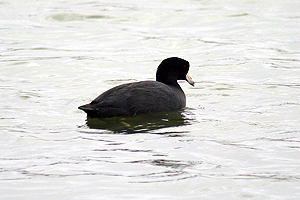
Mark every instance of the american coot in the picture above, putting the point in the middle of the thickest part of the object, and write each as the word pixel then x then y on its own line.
pixel 130 99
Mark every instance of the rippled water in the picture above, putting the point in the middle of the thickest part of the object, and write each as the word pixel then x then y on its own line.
pixel 238 138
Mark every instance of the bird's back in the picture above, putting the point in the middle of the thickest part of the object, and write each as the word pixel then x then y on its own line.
pixel 136 98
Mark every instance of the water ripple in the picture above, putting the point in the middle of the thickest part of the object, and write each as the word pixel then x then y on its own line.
pixel 66 17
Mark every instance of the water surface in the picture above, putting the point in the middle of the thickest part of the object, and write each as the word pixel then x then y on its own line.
pixel 238 138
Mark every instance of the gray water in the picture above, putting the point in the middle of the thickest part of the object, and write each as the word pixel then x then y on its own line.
pixel 238 138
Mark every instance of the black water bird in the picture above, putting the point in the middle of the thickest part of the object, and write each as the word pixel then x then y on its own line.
pixel 130 99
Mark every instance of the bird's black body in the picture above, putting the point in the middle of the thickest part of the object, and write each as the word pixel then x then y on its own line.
pixel 130 99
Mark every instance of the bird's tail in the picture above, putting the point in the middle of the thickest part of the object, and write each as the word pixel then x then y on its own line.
pixel 89 109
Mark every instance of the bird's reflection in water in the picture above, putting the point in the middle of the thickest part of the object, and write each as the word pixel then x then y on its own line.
pixel 140 123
